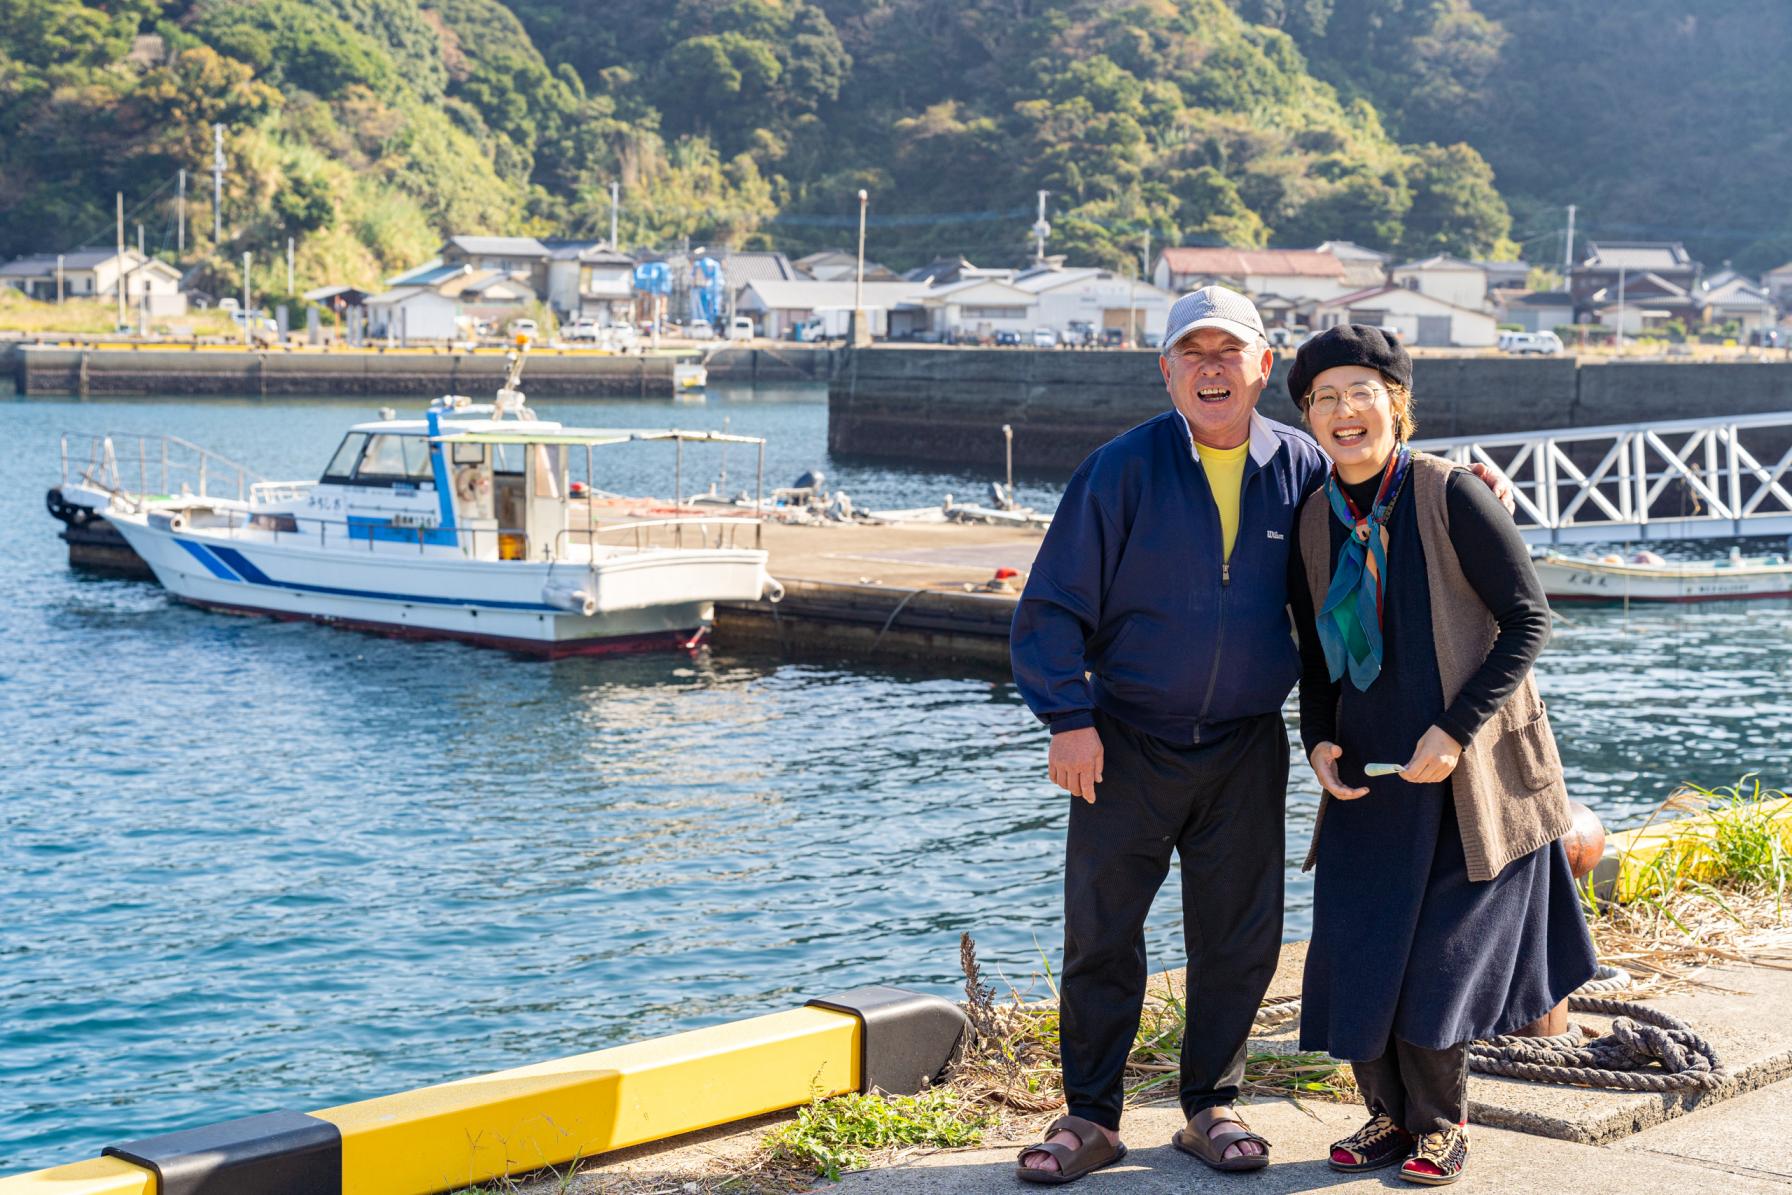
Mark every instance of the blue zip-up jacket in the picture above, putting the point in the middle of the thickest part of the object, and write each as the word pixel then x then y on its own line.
pixel 1130 586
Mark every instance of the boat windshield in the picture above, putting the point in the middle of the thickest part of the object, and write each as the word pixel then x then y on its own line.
pixel 342 465
pixel 391 458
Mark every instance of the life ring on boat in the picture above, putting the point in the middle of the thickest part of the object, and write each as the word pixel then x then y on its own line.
pixel 470 483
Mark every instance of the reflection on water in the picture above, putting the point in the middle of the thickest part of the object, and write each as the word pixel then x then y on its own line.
pixel 253 864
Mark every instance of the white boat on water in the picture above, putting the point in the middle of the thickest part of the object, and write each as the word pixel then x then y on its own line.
pixel 466 524
pixel 1646 577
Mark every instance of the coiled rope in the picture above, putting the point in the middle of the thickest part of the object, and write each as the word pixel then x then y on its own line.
pixel 1645 1050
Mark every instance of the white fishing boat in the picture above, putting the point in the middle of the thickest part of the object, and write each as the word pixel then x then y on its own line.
pixel 1646 577
pixel 469 523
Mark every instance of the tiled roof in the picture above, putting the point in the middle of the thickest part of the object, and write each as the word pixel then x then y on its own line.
pixel 1237 263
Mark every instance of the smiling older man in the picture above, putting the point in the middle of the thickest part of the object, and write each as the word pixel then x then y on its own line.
pixel 1152 637
pixel 1154 640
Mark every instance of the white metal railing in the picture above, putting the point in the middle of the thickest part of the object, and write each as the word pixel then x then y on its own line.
pixel 1680 479
pixel 642 532
pixel 158 464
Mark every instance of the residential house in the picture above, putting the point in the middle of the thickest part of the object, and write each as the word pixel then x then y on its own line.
pixel 1098 298
pixel 1418 318
pixel 407 313
pixel 1607 263
pixel 1778 282
pixel 589 280
pixel 1505 275
pixel 970 309
pixel 837 265
pixel 1535 311
pixel 1304 275
pixel 337 298
pixel 945 270
pixel 778 305
pixel 95 274
pixel 1363 267
pixel 509 255
pixel 1457 282
pixel 1741 300
pixel 1641 302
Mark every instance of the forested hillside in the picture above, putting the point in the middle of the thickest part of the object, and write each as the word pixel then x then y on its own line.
pixel 368 128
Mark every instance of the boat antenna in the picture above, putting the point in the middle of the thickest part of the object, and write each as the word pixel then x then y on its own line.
pixel 509 397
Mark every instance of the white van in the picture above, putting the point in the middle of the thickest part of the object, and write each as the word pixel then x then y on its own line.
pixel 740 328
pixel 1520 343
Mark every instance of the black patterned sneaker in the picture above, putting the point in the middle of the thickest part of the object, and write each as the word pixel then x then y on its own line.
pixel 1438 1159
pixel 1379 1143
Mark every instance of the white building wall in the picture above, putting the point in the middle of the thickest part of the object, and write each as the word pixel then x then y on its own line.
pixel 1464 288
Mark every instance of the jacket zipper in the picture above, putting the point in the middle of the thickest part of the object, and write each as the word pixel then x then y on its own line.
pixel 1219 633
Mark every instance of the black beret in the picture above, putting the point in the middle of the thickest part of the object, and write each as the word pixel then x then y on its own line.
pixel 1348 344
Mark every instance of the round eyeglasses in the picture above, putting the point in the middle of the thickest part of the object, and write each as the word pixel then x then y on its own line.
pixel 1361 397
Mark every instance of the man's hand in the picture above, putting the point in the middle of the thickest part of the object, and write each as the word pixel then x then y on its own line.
pixel 1498 482
pixel 1433 759
pixel 1075 762
pixel 1325 766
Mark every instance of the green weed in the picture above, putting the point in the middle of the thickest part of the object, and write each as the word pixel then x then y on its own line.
pixel 842 1133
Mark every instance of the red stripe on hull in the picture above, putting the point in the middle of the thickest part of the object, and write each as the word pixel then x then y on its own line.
pixel 1619 599
pixel 541 648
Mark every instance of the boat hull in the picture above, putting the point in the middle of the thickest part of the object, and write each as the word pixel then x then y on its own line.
pixel 1591 581
pixel 642 603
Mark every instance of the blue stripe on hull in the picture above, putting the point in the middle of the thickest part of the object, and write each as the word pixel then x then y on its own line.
pixel 204 556
pixel 255 576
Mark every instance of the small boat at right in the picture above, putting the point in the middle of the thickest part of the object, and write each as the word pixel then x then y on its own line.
pixel 1646 577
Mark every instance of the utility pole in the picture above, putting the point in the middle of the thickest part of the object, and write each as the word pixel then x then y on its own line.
pixel 861 334
pixel 217 186
pixel 615 206
pixel 1568 247
pixel 140 252
pixel 180 207
pixel 59 279
pixel 119 284
pixel 1041 230
pixel 289 265
pixel 246 298
pixel 1620 331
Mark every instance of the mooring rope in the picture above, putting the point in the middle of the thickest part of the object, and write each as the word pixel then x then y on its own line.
pixel 1645 1050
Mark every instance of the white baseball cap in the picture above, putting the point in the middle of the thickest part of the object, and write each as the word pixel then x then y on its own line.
pixel 1213 307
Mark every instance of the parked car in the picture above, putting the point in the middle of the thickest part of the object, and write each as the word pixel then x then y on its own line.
pixel 1520 343
pixel 523 327
pixel 1079 334
pixel 1113 338
pixel 740 328
pixel 1045 338
pixel 699 329
pixel 1008 337
pixel 581 329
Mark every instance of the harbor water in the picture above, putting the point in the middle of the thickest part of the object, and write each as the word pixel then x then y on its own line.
pixel 251 864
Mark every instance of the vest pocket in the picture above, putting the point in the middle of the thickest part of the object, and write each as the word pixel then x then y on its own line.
pixel 1534 745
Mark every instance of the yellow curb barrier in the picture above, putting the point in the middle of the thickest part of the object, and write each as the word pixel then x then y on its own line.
pixel 98 1176
pixel 1620 874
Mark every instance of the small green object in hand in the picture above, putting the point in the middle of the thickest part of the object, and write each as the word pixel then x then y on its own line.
pixel 1383 769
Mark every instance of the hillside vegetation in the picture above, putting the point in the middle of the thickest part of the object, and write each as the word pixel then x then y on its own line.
pixel 367 129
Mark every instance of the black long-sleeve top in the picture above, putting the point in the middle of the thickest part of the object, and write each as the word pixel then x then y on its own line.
pixel 1497 565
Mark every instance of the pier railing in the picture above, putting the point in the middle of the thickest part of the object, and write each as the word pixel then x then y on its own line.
pixel 133 468
pixel 1679 479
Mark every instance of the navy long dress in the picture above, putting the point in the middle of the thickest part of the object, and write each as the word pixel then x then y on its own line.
pixel 1404 943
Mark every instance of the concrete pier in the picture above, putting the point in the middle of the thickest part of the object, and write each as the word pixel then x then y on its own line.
pixel 949 405
pixel 202 370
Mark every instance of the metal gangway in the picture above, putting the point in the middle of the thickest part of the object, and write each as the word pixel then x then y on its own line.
pixel 1721 476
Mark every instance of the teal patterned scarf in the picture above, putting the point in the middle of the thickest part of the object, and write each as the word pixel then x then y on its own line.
pixel 1350 621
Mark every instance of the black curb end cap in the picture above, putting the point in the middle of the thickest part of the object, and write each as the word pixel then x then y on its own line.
pixel 908 1038
pixel 275 1153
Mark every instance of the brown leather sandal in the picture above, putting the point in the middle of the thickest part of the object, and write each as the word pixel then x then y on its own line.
pixel 1195 1141
pixel 1093 1152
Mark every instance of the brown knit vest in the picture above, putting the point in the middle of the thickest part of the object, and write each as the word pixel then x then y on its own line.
pixel 1508 787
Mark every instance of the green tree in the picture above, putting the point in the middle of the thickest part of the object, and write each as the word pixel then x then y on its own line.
pixel 1455 206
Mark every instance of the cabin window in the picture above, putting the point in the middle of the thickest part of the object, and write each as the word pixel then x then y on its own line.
pixel 342 465
pixel 507 458
pixel 469 454
pixel 550 470
pixel 395 458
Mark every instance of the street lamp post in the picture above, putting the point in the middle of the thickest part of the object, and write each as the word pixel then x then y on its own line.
pixel 861 334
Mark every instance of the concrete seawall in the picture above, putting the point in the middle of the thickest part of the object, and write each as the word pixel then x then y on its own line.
pixel 45 370
pixel 949 405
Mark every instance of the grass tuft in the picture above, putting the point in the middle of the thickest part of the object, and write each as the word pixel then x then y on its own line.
pixel 845 1132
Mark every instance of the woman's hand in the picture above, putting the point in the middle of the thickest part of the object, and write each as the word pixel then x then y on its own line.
pixel 1325 766
pixel 1433 759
